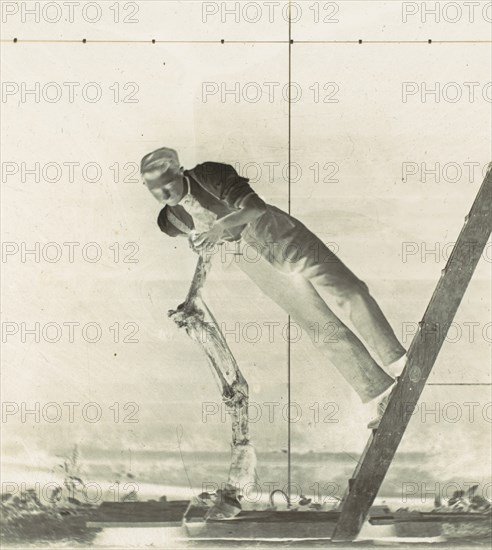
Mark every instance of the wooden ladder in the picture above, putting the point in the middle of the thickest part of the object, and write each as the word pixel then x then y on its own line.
pixel 424 349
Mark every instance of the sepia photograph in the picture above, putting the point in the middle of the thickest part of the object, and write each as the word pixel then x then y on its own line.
pixel 246 274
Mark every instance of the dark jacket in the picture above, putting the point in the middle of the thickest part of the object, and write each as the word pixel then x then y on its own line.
pixel 218 188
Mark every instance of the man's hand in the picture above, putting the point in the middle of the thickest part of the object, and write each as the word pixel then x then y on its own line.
pixel 209 238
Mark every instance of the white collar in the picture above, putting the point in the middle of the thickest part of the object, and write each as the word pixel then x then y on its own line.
pixel 188 193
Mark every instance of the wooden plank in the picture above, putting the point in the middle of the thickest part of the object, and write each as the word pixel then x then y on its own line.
pixel 440 312
pixel 132 525
pixel 140 512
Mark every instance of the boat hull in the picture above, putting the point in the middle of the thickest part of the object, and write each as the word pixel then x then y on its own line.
pixel 267 525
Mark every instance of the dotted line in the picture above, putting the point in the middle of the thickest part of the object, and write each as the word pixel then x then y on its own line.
pixel 223 41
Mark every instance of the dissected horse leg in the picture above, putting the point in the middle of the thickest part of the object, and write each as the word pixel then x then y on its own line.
pixel 194 315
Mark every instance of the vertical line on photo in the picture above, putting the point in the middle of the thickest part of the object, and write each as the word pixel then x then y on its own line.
pixel 289 108
pixel 289 464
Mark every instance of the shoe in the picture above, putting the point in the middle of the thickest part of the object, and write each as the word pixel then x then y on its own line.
pixel 382 405
pixel 396 368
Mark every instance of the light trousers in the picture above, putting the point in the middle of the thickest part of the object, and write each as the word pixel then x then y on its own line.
pixel 289 263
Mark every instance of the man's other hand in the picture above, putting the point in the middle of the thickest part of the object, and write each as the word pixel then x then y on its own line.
pixel 208 238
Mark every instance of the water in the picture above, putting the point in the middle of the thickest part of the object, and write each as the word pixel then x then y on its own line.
pixel 151 474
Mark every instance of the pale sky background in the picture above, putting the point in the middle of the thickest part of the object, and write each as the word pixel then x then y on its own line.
pixel 370 213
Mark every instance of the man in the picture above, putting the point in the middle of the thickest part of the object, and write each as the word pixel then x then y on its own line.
pixel 212 204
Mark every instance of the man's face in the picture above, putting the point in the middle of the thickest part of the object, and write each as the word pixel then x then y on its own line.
pixel 167 188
